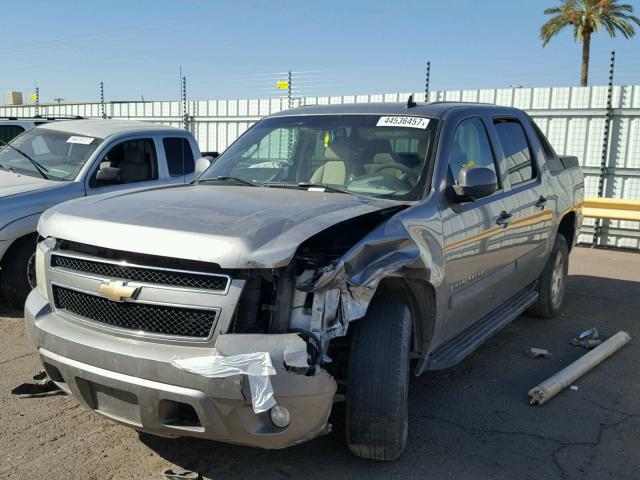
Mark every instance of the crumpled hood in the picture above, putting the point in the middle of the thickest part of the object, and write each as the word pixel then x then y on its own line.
pixel 233 226
pixel 14 184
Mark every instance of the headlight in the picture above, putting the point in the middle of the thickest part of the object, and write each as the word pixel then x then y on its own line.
pixel 41 257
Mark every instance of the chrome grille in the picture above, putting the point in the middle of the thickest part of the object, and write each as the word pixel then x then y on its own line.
pixel 159 276
pixel 139 317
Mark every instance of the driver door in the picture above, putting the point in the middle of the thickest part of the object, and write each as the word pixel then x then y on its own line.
pixel 475 266
pixel 129 163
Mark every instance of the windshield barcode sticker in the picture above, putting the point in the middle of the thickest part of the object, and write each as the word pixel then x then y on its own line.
pixel 411 122
pixel 82 140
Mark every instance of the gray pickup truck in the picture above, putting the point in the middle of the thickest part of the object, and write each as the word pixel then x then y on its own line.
pixel 62 160
pixel 326 254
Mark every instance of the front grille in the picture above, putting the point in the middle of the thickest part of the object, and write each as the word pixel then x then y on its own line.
pixel 204 281
pixel 141 317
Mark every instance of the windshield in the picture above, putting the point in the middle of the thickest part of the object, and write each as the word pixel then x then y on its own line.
pixel 57 155
pixel 375 155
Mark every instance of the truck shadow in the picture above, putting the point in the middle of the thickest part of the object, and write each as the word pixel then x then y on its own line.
pixel 9 312
pixel 474 421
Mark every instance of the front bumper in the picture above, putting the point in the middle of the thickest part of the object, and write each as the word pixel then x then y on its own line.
pixel 133 382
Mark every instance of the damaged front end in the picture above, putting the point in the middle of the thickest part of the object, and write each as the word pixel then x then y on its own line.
pixel 328 283
pixel 271 368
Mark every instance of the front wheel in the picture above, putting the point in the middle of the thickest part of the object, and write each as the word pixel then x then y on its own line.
pixel 552 282
pixel 18 273
pixel 378 380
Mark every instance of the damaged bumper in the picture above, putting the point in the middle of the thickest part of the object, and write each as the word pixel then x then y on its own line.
pixel 152 387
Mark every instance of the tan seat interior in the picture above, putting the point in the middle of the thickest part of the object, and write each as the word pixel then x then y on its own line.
pixel 334 170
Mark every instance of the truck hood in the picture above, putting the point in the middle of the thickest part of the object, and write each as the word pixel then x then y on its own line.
pixel 233 226
pixel 15 184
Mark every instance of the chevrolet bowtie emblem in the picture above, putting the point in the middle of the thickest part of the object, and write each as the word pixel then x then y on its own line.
pixel 117 291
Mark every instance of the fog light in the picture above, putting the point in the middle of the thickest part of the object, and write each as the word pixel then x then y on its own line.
pixel 280 416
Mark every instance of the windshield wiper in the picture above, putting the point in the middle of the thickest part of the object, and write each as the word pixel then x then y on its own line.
pixel 223 178
pixel 40 168
pixel 326 186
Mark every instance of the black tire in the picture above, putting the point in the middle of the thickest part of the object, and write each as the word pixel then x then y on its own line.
pixel 378 380
pixel 549 297
pixel 17 275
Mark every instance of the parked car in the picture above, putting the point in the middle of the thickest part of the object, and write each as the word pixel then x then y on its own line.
pixel 62 160
pixel 344 242
pixel 11 127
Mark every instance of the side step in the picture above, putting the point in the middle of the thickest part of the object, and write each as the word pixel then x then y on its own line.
pixel 455 350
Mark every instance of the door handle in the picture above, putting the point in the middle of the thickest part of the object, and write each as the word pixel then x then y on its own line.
pixel 541 201
pixel 503 219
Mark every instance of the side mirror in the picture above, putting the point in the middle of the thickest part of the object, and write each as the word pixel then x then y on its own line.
pixel 475 182
pixel 108 175
pixel 202 165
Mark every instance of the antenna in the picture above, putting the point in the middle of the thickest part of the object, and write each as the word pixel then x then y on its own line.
pixel 410 102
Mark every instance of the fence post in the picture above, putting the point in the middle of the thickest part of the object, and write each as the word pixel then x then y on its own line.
pixel 426 84
pixel 104 115
pixel 605 148
pixel 185 117
pixel 289 93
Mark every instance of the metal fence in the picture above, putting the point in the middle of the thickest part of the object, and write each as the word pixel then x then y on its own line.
pixel 573 118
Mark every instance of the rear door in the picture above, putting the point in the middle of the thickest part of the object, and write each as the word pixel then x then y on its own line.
pixel 529 228
pixel 476 266
pixel 179 157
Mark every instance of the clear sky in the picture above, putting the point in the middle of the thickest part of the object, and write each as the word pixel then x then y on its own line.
pixel 237 48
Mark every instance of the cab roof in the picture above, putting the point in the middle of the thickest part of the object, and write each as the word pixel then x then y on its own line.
pixel 433 110
pixel 103 128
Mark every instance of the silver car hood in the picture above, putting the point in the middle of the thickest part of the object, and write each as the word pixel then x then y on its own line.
pixel 14 184
pixel 233 226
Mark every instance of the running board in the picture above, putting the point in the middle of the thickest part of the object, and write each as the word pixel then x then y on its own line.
pixel 455 350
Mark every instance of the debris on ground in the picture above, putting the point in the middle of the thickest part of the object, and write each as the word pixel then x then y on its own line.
pixel 575 388
pixel 42 386
pixel 538 352
pixel 180 474
pixel 565 377
pixel 588 339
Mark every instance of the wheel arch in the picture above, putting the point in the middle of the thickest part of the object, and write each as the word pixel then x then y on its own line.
pixel 567 228
pixel 420 297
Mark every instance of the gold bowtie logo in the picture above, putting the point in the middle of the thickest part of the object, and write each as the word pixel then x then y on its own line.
pixel 117 291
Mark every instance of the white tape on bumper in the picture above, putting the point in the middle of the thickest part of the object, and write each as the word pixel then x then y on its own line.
pixel 257 366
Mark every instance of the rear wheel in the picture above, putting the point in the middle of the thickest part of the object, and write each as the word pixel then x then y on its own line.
pixel 551 285
pixel 378 380
pixel 18 272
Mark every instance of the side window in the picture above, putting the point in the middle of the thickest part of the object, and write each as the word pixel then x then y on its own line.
pixel 516 151
pixel 549 152
pixel 9 132
pixel 179 156
pixel 129 162
pixel 470 148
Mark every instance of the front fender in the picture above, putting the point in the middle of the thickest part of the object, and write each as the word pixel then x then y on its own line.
pixel 404 246
pixel 20 227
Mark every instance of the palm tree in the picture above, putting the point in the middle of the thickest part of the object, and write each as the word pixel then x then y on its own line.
pixel 587 17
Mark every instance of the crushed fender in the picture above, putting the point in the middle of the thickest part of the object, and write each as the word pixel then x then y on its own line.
pixel 257 366
pixel 344 289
